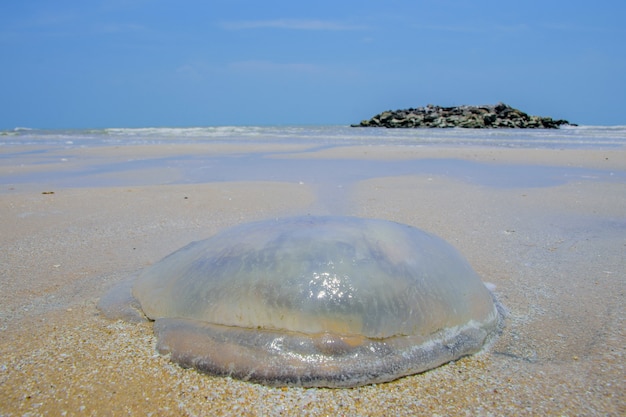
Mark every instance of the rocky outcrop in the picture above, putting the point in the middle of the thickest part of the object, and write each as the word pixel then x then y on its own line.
pixel 473 117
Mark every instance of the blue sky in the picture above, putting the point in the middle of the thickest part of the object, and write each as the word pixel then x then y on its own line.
pixel 134 63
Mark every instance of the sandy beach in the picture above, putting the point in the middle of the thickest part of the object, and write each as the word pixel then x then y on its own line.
pixel 546 227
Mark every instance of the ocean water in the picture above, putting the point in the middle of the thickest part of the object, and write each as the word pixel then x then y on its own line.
pixel 569 137
pixel 76 158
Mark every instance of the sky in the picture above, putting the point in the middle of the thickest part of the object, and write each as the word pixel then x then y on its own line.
pixel 153 63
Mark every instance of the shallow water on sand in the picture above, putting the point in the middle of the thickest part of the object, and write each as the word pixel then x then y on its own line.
pixel 123 157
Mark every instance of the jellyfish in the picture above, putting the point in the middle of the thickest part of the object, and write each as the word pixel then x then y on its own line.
pixel 313 301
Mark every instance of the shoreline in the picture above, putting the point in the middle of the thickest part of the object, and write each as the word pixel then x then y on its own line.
pixel 553 251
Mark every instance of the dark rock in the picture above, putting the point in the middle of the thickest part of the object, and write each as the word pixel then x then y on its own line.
pixel 472 117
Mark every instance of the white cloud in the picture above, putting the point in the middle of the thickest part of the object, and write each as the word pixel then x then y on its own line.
pixel 270 66
pixel 190 72
pixel 304 70
pixel 474 29
pixel 292 24
pixel 205 71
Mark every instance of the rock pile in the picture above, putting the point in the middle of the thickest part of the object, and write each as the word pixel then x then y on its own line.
pixel 474 117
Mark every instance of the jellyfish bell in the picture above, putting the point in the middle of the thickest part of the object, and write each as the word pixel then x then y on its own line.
pixel 316 301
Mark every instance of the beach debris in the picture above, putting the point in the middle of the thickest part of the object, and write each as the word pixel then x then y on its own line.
pixel 313 301
pixel 475 117
pixel 47 192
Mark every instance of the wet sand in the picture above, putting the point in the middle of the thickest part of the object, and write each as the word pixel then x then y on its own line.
pixel 554 247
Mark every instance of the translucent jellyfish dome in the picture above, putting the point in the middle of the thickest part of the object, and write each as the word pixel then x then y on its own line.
pixel 317 301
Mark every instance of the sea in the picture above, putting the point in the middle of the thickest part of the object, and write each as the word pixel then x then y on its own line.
pixel 567 137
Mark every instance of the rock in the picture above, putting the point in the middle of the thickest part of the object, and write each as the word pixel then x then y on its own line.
pixel 472 117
